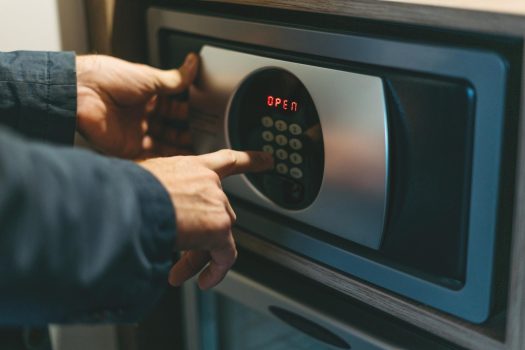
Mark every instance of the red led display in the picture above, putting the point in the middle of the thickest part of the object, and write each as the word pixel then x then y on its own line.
pixel 282 103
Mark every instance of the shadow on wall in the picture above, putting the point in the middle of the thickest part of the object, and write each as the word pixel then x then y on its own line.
pixel 129 30
pixel 73 30
pixel 117 28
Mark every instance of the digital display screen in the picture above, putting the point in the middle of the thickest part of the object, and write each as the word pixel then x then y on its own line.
pixel 281 103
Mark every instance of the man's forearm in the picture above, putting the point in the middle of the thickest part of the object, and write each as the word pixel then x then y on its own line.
pixel 83 238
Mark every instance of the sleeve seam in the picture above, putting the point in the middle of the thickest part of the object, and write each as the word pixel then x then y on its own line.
pixel 35 82
pixel 48 91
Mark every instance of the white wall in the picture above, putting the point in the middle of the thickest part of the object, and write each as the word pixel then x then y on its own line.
pixel 43 25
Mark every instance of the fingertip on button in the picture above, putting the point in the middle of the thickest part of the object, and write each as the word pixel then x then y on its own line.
pixel 267 160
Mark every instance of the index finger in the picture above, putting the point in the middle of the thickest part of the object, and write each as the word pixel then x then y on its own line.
pixel 228 162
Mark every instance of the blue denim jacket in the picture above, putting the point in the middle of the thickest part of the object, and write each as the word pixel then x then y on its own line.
pixel 83 238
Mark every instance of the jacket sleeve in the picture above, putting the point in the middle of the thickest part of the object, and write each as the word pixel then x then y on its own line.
pixel 83 238
pixel 38 94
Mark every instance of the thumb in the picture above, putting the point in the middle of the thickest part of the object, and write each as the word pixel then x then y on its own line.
pixel 175 81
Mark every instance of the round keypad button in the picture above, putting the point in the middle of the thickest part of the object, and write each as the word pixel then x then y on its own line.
pixel 296 144
pixel 295 129
pixel 268 149
pixel 296 173
pixel 281 125
pixel 296 158
pixel 267 136
pixel 281 154
pixel 281 140
pixel 267 121
pixel 281 168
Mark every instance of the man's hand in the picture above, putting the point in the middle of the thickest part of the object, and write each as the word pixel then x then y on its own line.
pixel 204 215
pixel 123 106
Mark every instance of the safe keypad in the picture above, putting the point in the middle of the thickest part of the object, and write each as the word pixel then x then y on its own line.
pixel 272 110
pixel 296 158
pixel 267 121
pixel 267 136
pixel 296 173
pixel 285 146
pixel 281 140
pixel 296 144
pixel 281 154
pixel 281 125
pixel 295 129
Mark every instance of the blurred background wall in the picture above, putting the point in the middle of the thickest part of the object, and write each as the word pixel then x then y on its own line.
pixel 43 25
pixel 54 25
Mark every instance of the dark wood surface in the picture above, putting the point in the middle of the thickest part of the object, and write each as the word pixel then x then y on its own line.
pixel 505 331
pixel 435 16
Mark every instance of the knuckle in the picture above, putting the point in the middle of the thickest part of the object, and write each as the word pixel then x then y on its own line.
pixel 208 175
pixel 223 225
pixel 225 228
pixel 222 196
pixel 214 177
pixel 219 223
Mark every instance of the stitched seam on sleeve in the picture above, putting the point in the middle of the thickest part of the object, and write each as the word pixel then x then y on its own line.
pixel 48 91
pixel 34 82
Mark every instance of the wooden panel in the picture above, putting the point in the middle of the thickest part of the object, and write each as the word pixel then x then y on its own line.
pixel 99 15
pixel 116 27
pixel 403 13
pixel 516 7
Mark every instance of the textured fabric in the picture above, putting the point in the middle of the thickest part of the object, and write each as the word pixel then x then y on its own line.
pixel 83 238
pixel 38 94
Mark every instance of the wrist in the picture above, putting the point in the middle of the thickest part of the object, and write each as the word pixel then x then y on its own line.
pixel 85 71
pixel 85 66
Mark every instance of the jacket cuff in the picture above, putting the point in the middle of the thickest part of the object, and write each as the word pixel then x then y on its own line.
pixel 157 236
pixel 154 250
pixel 158 217
pixel 46 86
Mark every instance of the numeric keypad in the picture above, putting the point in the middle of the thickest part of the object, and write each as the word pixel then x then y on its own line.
pixel 283 141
